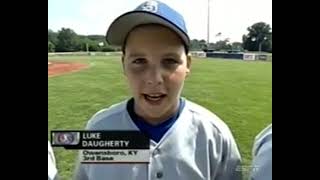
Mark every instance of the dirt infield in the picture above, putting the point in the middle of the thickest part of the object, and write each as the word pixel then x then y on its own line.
pixel 59 68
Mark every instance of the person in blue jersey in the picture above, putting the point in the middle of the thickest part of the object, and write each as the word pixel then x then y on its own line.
pixel 187 141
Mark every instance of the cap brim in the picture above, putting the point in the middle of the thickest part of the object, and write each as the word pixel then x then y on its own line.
pixel 120 27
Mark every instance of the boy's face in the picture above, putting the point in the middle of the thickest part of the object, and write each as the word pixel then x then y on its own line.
pixel 156 65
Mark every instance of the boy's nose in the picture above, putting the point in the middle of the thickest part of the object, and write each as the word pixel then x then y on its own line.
pixel 154 77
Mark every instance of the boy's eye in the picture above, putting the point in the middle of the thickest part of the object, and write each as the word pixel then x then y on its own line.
pixel 139 61
pixel 170 61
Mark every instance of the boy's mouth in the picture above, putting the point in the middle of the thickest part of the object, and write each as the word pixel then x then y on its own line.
pixel 154 97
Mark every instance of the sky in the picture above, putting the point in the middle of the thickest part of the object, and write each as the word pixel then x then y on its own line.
pixel 231 18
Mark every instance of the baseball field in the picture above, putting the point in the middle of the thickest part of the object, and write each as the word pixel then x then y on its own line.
pixel 239 92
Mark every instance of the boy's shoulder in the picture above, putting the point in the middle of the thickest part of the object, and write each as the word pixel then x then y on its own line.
pixel 199 110
pixel 105 115
pixel 207 117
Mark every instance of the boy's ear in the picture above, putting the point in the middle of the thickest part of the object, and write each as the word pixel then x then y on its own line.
pixel 188 64
pixel 122 62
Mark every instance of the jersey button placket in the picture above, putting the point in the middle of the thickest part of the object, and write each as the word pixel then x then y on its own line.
pixel 159 175
pixel 156 152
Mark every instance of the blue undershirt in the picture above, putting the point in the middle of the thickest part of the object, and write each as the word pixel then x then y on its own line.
pixel 154 132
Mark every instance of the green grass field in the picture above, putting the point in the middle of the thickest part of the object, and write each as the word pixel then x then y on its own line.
pixel 239 92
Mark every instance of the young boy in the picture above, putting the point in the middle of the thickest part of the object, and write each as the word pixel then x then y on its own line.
pixel 187 141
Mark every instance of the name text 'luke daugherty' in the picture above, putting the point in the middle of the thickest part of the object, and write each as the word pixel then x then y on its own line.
pixel 94 140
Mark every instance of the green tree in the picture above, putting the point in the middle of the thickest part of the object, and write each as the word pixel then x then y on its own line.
pixel 51 47
pixel 237 46
pixel 68 40
pixel 194 45
pixel 98 38
pixel 259 37
pixel 223 45
pixel 82 43
pixel 52 37
pixel 93 46
pixel 108 48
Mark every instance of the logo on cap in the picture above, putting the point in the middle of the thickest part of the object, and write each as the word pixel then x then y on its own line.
pixel 151 6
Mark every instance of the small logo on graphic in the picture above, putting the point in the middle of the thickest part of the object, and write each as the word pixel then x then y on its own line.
pixel 66 138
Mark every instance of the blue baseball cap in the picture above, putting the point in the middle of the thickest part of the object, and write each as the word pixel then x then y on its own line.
pixel 149 12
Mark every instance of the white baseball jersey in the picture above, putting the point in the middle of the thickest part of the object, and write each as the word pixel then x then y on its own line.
pixel 262 155
pixel 199 146
pixel 52 170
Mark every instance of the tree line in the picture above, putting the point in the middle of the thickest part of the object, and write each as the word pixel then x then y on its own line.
pixel 66 40
pixel 258 38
